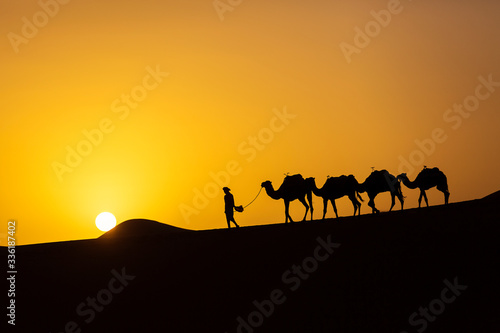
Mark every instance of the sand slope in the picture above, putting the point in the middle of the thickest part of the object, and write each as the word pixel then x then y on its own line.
pixel 381 270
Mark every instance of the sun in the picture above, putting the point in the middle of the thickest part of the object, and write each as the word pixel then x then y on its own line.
pixel 105 221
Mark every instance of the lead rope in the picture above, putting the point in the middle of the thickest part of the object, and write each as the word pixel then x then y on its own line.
pixel 253 198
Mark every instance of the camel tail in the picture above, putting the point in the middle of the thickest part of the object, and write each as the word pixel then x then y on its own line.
pixel 359 196
pixel 443 187
pixel 442 182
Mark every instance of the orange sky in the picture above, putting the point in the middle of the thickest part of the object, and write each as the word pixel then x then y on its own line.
pixel 172 93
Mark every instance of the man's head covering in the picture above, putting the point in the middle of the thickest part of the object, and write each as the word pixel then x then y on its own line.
pixel 226 189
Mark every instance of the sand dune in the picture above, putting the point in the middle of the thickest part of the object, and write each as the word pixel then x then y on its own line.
pixel 141 228
pixel 432 269
pixel 493 197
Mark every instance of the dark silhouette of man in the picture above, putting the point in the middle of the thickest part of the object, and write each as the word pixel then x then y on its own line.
pixel 229 206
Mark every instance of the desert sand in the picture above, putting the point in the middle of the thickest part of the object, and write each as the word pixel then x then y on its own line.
pixel 432 269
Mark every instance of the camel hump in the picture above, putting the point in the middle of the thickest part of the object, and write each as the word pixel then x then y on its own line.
pixel 352 179
pixel 294 178
pixel 376 174
pixel 431 171
pixel 339 179
pixel 333 180
pixel 437 171
pixel 291 182
pixel 345 181
pixel 379 172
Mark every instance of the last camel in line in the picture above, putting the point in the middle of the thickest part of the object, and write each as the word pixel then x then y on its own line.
pixel 426 179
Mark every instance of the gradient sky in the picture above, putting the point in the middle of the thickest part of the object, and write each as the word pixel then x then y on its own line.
pixel 230 72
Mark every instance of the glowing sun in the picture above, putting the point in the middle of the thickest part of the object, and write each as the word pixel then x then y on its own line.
pixel 105 221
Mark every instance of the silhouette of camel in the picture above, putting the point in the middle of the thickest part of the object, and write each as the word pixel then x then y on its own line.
pixel 335 188
pixel 293 187
pixel 381 181
pixel 426 179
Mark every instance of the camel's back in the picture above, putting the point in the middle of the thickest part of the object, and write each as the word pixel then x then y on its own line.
pixel 433 174
pixel 292 181
pixel 339 181
pixel 341 184
pixel 382 181
pixel 379 176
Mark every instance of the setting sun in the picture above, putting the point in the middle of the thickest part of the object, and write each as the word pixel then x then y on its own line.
pixel 105 221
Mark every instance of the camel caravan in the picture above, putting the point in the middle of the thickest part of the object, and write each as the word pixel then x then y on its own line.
pixel 296 187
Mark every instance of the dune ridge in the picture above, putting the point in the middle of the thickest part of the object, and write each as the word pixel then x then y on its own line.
pixel 141 228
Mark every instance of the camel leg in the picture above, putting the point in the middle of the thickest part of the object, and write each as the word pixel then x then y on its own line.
pixel 287 214
pixel 309 198
pixel 303 200
pixel 325 207
pixel 371 204
pixel 355 203
pixel 444 189
pixel 402 200
pixel 393 200
pixel 334 207
pixel 359 203
pixel 420 198
pixel 425 198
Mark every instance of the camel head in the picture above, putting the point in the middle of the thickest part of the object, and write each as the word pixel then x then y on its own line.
pixel 402 176
pixel 266 184
pixel 310 182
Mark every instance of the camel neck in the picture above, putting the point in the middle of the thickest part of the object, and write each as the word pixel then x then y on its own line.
pixel 317 191
pixel 408 183
pixel 362 187
pixel 271 192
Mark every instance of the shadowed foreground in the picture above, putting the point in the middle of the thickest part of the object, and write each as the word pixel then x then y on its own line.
pixel 354 274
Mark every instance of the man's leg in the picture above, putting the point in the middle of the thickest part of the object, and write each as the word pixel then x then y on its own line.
pixel 236 224
pixel 230 217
